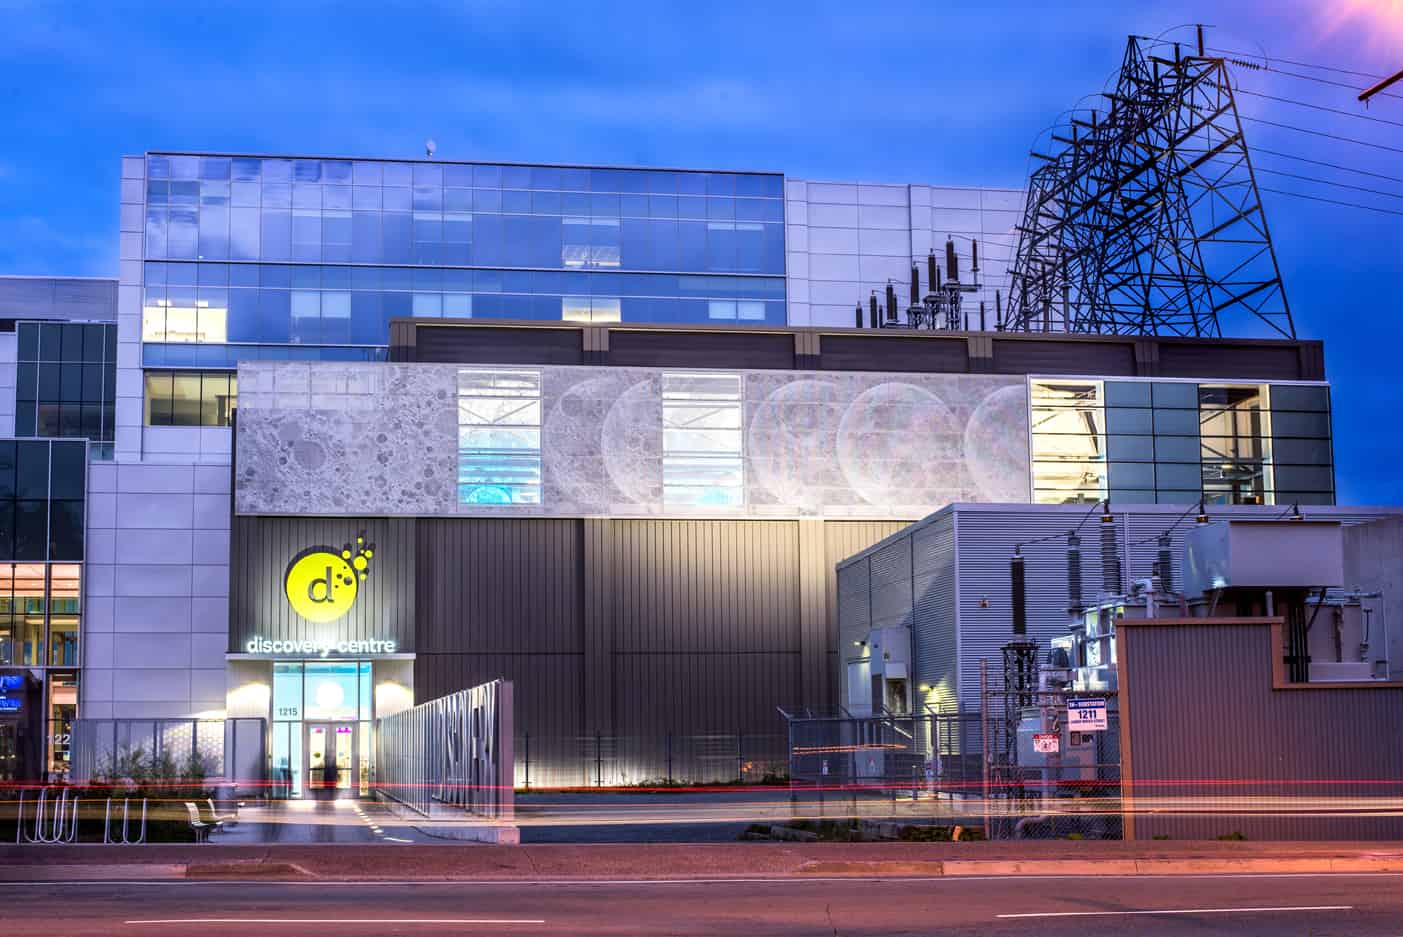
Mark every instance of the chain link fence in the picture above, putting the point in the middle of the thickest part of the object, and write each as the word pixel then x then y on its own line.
pixel 997 769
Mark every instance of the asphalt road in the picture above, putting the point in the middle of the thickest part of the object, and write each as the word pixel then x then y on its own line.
pixel 1202 906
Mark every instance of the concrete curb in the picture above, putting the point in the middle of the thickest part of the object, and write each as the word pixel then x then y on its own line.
pixel 1079 867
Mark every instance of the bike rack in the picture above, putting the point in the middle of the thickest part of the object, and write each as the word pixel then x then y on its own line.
pixel 60 827
pixel 124 839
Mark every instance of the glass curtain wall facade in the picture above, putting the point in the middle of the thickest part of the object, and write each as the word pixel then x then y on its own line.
pixel 66 382
pixel 42 493
pixel 1146 442
pixel 322 714
pixel 253 258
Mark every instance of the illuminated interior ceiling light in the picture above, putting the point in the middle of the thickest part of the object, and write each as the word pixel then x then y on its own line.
pixel 329 694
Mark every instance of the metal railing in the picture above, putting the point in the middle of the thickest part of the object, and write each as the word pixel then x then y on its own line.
pixel 668 759
pixel 455 751
pixel 231 753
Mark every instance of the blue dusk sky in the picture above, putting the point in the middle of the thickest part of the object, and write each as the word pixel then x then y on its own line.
pixel 952 94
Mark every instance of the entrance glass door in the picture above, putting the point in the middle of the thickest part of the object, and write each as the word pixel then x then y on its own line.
pixel 331 757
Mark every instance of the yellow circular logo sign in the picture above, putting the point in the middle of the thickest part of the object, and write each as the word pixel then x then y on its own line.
pixel 321 583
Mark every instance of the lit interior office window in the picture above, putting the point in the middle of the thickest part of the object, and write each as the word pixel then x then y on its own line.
pixel 499 437
pixel 1068 441
pixel 590 242
pixel 732 310
pixel 1235 443
pixel 589 309
pixel 703 461
pixel 65 580
pixel 190 398
pixel 178 317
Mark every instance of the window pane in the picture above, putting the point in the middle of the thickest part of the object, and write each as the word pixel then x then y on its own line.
pixel 702 444
pixel 185 399
pixel 499 426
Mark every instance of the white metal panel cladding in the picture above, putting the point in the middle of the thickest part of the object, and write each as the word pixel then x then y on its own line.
pixel 985 620
pixel 935 644
pixel 854 601
pixel 891 584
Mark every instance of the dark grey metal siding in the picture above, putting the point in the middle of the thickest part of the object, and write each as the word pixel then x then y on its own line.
pixel 499 586
pixel 877 350
pixel 858 352
pixel 1052 356
pixel 1202 707
pixel 1262 360
pixel 636 630
pixel 260 550
pixel 492 345
pixel 701 349
pixel 706 625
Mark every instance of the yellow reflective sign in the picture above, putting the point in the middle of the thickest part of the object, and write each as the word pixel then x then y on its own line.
pixel 321 584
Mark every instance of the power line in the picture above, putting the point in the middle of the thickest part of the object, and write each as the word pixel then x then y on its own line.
pixel 1332 201
pixel 1324 81
pixel 1327 164
pixel 1321 133
pixel 1321 107
pixel 1269 59
pixel 1338 185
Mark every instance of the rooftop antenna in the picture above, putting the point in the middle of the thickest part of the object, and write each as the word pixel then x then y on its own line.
pixel 429 147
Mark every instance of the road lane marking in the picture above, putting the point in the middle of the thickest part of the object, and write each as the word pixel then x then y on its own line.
pixel 1318 907
pixel 336 920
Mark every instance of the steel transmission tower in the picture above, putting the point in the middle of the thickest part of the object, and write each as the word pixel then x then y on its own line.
pixel 1148 222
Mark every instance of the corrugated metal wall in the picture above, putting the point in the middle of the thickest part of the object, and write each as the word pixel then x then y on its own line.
pixel 260 550
pixel 984 615
pixel 1201 707
pixel 638 630
pixel 1372 552
pixel 706 625
pixel 935 642
pixel 850 592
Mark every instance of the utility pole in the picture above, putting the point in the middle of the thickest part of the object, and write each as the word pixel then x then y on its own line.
pixel 1368 93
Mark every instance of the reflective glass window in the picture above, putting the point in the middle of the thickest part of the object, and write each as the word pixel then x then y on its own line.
pixel 64 614
pixel 703 458
pixel 331 690
pixel 189 398
pixel 499 437
pixel 1068 441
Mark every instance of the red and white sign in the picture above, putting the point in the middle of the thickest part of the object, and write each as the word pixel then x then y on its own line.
pixel 1045 743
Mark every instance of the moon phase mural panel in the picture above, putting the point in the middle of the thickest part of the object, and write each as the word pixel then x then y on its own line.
pixel 562 440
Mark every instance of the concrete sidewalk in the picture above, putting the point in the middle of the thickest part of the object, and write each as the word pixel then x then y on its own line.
pixel 670 862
